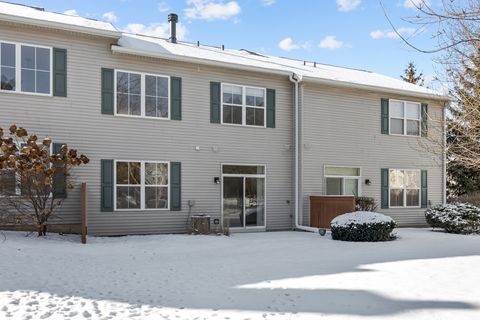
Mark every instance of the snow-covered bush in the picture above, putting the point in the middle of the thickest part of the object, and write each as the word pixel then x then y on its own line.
pixel 362 226
pixel 454 218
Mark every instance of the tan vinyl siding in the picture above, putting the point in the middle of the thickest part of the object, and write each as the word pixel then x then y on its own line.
pixel 77 120
pixel 342 127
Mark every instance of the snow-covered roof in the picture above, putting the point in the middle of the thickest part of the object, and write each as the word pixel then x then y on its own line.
pixel 247 60
pixel 240 59
pixel 37 16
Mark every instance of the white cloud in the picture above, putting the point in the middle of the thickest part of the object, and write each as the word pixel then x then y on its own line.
pixel 157 29
pixel 330 42
pixel 287 44
pixel 267 3
pixel 163 6
pixel 110 16
pixel 211 9
pixel 390 34
pixel 414 4
pixel 71 12
pixel 348 5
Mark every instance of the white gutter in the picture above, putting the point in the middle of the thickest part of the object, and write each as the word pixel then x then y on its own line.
pixel 296 79
pixel 444 151
pixel 284 72
pixel 62 26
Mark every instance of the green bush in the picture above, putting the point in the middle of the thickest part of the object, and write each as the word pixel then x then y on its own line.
pixel 454 218
pixel 363 226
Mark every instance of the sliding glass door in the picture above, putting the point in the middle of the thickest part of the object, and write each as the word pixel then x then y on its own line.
pixel 243 196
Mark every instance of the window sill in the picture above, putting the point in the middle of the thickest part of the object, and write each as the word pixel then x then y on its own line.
pixel 415 207
pixel 27 93
pixel 140 117
pixel 242 125
pixel 140 210
pixel 404 135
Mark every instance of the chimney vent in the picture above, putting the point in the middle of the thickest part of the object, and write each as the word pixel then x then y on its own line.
pixel 173 19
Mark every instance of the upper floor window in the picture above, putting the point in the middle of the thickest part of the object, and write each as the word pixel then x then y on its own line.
pixel 142 95
pixel 405 118
pixel 404 188
pixel 342 181
pixel 242 105
pixel 25 68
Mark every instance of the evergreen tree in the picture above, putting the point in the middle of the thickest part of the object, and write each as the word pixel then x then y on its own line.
pixel 411 75
pixel 463 126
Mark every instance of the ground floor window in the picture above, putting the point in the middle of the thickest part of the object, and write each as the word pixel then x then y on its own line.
pixel 342 181
pixel 404 188
pixel 8 183
pixel 141 185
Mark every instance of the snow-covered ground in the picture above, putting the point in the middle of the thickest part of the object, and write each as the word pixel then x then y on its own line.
pixel 276 275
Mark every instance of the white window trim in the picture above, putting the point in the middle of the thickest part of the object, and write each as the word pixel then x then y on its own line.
pixel 359 180
pixel 244 106
pixel 142 94
pixel 142 186
pixel 405 189
pixel 263 175
pixel 18 69
pixel 405 119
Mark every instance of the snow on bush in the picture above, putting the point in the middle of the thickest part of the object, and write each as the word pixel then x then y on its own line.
pixel 454 218
pixel 362 226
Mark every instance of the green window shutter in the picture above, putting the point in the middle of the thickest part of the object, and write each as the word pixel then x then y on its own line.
pixel 271 108
pixel 106 185
pixel 424 190
pixel 215 101
pixel 384 185
pixel 385 114
pixel 59 176
pixel 424 119
pixel 107 91
pixel 176 98
pixel 59 72
pixel 175 186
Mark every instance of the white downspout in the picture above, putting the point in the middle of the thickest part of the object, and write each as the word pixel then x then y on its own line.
pixel 296 79
pixel 444 156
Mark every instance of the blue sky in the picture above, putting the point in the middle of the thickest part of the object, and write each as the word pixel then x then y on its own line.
pixel 351 33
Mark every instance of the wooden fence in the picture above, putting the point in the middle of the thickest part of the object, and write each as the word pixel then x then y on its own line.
pixel 84 212
pixel 324 208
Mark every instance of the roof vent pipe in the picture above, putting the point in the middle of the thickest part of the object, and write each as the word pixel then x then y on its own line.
pixel 173 19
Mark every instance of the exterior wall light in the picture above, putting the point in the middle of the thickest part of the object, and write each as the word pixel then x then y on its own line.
pixel 216 180
pixel 368 182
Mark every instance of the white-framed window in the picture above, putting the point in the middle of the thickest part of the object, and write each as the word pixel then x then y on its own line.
pixel 404 117
pixel 140 94
pixel 142 185
pixel 342 181
pixel 404 188
pixel 243 105
pixel 25 68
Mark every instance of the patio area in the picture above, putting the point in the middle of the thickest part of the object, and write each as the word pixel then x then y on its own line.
pixel 274 275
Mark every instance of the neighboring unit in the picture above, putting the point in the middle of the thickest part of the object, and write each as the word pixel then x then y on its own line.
pixel 175 129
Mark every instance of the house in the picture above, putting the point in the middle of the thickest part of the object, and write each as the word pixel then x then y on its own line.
pixel 174 128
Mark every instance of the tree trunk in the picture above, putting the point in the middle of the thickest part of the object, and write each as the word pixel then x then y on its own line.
pixel 42 229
